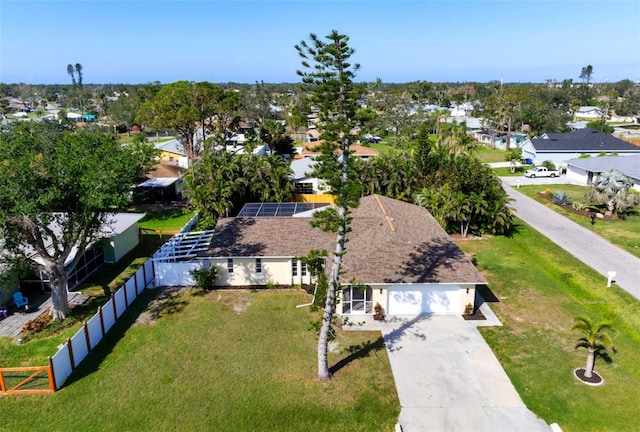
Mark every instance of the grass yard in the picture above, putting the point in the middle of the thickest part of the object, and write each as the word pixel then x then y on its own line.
pixel 540 290
pixel 167 220
pixel 225 361
pixel 487 154
pixel 623 233
pixel 506 171
pixel 381 148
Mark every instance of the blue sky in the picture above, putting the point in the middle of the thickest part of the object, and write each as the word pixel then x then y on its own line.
pixel 142 41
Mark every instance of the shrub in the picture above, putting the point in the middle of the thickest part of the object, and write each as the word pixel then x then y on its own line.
pixel 549 165
pixel 561 198
pixel 205 278
pixel 271 284
pixel 578 206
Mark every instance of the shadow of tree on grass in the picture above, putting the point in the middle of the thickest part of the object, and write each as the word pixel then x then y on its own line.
pixel 356 352
pixel 155 302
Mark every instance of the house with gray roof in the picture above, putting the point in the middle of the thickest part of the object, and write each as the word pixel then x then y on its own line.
pixel 561 147
pixel 592 112
pixel 397 256
pixel 584 171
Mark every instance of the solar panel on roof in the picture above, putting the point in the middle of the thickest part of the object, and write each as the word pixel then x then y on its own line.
pixel 285 209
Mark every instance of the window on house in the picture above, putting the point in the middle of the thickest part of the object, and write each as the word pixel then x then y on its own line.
pixel 303 269
pixel 304 188
pixel 258 265
pixel 294 268
pixel 230 266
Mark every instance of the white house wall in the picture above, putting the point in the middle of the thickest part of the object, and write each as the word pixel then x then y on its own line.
pixel 577 175
pixel 274 270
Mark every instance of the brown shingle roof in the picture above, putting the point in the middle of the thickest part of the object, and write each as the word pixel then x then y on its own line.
pixel 166 169
pixel 390 242
pixel 313 148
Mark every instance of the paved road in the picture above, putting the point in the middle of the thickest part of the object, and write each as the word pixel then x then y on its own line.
pixel 580 242
pixel 448 379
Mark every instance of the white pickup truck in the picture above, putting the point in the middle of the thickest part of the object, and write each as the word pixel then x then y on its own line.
pixel 541 172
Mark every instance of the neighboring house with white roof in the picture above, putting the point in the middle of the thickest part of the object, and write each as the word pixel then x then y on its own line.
pixel 303 181
pixel 561 147
pixel 585 170
pixel 261 149
pixel 592 112
pixel 461 110
pixel 117 238
pixel 472 124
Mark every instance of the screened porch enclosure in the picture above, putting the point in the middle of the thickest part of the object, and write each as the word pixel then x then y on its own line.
pixel 357 300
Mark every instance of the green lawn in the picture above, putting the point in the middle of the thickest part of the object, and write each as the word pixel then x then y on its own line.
pixel 486 154
pixel 623 233
pixel 225 361
pixel 506 171
pixel 381 148
pixel 166 220
pixel 540 289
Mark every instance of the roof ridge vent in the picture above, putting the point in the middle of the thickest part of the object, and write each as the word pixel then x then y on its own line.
pixel 384 212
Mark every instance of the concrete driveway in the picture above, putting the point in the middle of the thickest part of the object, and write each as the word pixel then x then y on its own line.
pixel 448 379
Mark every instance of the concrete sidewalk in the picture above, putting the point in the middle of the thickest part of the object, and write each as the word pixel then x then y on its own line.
pixel 448 379
pixel 580 242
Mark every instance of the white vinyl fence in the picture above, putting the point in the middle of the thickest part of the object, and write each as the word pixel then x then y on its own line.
pixel 80 345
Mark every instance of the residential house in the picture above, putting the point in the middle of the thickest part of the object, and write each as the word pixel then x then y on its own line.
pixel 577 124
pixel 560 147
pixel 498 140
pixel 472 124
pixel 261 149
pixel 397 256
pixel 160 185
pixel 172 151
pixel 117 238
pixel 591 112
pixel 585 170
pixel 302 179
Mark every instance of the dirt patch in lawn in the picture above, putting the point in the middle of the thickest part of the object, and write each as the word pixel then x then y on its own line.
pixel 234 300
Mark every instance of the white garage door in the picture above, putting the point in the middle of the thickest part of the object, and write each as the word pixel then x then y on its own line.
pixel 414 300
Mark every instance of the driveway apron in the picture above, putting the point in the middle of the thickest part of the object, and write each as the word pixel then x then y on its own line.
pixel 448 379
pixel 583 244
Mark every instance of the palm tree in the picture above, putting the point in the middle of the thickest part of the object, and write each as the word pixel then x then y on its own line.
pixel 596 339
pixel 612 188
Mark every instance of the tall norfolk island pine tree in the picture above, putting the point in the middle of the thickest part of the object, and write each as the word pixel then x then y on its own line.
pixel 328 76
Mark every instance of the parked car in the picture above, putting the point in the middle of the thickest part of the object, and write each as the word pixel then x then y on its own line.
pixel 370 138
pixel 541 172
